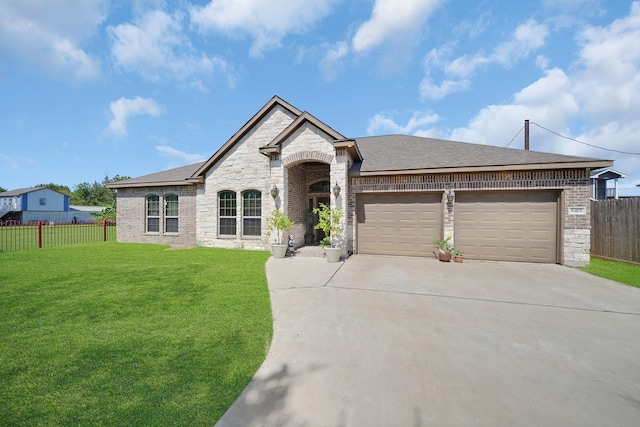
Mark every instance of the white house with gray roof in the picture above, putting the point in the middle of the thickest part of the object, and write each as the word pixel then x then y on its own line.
pixel 397 191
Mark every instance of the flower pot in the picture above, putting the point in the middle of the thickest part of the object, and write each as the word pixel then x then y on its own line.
pixel 278 251
pixel 444 257
pixel 333 254
pixel 458 258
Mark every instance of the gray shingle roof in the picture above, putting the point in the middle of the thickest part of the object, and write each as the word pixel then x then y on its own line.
pixel 21 191
pixel 172 176
pixel 404 152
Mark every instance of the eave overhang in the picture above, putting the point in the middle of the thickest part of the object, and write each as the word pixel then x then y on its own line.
pixel 174 183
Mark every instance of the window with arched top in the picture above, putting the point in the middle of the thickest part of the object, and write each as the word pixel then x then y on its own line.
pixel 171 213
pixel 227 212
pixel 251 213
pixel 153 214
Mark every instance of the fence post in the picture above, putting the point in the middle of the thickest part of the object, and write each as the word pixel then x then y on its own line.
pixel 104 226
pixel 39 234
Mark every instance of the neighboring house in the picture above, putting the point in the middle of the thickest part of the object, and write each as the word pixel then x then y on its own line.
pixel 398 192
pixel 31 205
pixel 599 180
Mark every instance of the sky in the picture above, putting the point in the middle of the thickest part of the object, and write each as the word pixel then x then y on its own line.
pixel 95 88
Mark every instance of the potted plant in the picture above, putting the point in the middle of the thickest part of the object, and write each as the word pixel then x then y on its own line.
pixel 444 248
pixel 329 222
pixel 280 224
pixel 457 255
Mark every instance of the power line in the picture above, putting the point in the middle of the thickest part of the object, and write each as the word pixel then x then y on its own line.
pixel 514 137
pixel 584 143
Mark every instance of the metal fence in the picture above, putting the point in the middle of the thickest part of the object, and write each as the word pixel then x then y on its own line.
pixel 15 236
pixel 615 229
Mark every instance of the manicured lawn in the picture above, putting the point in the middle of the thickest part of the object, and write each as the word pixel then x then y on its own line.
pixel 128 334
pixel 620 272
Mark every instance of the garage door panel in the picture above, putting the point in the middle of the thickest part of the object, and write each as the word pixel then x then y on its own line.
pixel 397 224
pixel 512 226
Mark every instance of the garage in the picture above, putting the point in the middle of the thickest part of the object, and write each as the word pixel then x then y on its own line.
pixel 507 226
pixel 398 224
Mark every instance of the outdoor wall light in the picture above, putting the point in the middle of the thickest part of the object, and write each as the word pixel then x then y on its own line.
pixel 450 197
pixel 336 189
pixel 274 191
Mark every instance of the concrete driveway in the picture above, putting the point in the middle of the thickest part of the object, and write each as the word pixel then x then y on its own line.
pixel 393 341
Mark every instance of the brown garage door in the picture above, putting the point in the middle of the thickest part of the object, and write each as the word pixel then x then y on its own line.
pixel 507 226
pixel 398 224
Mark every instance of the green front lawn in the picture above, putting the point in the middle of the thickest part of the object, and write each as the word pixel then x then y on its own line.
pixel 628 274
pixel 128 334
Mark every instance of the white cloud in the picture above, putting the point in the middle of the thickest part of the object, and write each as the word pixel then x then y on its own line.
pixel 431 90
pixel 393 20
pixel 547 101
pixel 333 59
pixel 608 80
pixel 267 22
pixel 382 124
pixel 526 38
pixel 182 157
pixel 155 47
pixel 36 31
pixel 124 108
pixel 595 101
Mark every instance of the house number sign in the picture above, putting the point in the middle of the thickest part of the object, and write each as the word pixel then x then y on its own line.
pixel 577 210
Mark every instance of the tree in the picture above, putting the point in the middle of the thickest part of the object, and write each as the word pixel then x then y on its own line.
pixel 2 189
pixel 96 194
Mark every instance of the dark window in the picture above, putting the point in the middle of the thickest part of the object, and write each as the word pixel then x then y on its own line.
pixel 251 213
pixel 320 187
pixel 227 213
pixel 153 214
pixel 43 201
pixel 171 214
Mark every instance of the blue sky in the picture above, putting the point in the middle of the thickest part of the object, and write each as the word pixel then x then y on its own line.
pixel 96 87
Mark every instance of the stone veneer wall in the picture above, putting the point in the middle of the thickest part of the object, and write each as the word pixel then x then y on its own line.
pixel 242 168
pixel 574 185
pixel 131 215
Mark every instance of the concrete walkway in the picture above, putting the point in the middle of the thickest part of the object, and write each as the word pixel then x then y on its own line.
pixel 393 341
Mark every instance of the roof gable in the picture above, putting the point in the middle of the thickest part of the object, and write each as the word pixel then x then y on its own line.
pixel 273 102
pixel 607 173
pixel 21 191
pixel 275 145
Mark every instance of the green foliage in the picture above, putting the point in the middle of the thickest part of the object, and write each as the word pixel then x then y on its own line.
pixel 106 214
pixel 622 272
pixel 326 241
pixel 444 246
pixel 2 189
pixel 127 334
pixel 280 223
pixel 329 222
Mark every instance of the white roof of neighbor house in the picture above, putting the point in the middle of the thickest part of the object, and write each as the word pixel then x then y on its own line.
pixel 79 208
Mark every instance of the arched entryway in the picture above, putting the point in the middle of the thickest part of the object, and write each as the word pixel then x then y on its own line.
pixel 308 185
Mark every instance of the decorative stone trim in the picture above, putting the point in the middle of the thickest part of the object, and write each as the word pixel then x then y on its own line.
pixel 305 156
pixel 471 181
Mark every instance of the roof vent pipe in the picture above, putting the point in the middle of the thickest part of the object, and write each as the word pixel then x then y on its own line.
pixel 526 135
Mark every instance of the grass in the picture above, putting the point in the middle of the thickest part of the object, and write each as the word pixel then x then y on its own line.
pixel 129 334
pixel 628 274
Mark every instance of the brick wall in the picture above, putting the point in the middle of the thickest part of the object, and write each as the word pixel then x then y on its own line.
pixel 131 215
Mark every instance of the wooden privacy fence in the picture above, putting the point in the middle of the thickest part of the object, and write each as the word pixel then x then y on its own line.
pixel 615 229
